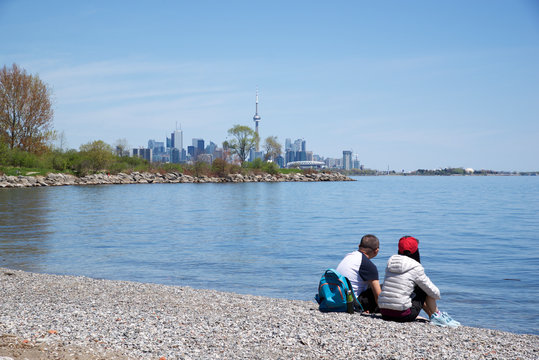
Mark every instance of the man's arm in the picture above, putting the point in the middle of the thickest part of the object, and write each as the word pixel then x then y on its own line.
pixel 376 289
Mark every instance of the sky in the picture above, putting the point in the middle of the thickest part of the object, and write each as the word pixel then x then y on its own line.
pixel 405 85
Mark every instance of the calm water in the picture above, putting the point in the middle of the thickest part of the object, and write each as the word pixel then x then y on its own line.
pixel 478 236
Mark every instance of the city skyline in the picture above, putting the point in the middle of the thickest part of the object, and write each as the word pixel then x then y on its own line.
pixel 415 85
pixel 291 151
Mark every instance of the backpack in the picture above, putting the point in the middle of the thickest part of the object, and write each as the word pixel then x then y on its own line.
pixel 332 291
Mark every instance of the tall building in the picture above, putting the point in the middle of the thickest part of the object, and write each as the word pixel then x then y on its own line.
pixel 287 144
pixel 298 145
pixel 175 156
pixel 176 140
pixel 355 163
pixel 210 149
pixel 198 145
pixel 346 159
pixel 256 119
pixel 143 153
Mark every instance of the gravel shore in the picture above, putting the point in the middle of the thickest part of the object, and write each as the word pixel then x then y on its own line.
pixel 66 317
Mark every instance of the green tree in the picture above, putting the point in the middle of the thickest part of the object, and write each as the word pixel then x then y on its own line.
pixel 243 139
pixel 25 110
pixel 272 148
pixel 96 156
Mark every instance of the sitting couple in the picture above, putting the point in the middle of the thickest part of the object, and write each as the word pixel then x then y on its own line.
pixel 406 289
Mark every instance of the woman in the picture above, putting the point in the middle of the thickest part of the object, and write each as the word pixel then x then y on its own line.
pixel 407 289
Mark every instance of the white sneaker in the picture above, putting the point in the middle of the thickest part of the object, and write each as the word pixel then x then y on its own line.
pixel 450 322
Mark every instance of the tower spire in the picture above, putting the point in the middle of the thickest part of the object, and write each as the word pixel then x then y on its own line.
pixel 256 118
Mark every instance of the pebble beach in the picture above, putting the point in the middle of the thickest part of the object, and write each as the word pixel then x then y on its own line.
pixel 66 317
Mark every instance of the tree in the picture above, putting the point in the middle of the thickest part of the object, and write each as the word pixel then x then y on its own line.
pixel 96 155
pixel 25 110
pixel 272 147
pixel 62 141
pixel 243 140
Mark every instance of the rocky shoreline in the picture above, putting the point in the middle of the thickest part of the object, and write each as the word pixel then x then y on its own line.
pixel 156 178
pixel 67 317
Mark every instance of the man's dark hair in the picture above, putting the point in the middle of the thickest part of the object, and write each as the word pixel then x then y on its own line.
pixel 369 242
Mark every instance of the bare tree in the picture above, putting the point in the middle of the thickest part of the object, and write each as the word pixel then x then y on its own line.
pixel 25 110
pixel 272 147
pixel 62 141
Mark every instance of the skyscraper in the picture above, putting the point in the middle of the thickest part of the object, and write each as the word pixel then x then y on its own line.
pixel 288 144
pixel 177 139
pixel 256 119
pixel 346 159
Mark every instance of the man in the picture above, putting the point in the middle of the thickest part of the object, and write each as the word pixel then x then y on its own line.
pixel 362 273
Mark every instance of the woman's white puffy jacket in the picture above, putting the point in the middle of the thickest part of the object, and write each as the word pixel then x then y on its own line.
pixel 402 274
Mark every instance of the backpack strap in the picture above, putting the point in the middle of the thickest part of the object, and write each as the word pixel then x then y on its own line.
pixel 357 304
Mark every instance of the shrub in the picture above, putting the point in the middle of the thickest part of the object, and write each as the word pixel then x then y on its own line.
pixel 201 168
pixel 309 171
pixel 97 156
pixel 24 159
pixel 256 164
pixel 59 162
pixel 235 169
pixel 119 166
pixel 4 154
pixel 219 167
pixel 168 168
pixel 271 168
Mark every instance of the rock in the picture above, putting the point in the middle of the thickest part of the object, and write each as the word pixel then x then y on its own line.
pixel 53 179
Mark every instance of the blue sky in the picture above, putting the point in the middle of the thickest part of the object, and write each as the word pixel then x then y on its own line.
pixel 404 84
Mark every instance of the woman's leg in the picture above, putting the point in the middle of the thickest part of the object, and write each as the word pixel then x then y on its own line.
pixel 430 306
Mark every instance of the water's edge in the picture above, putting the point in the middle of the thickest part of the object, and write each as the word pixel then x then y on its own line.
pixel 157 178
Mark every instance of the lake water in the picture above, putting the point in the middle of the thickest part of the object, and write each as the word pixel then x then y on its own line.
pixel 478 236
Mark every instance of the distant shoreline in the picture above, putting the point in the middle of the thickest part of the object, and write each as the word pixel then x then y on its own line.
pixel 52 179
pixel 440 173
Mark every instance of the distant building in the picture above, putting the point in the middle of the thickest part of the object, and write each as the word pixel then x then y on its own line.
pixel 207 158
pixel 191 152
pixel 333 163
pixel 175 156
pixel 143 153
pixel 279 160
pixel 355 163
pixel 176 140
pixel 158 150
pixel 218 153
pixel 210 149
pixel 253 154
pixel 198 145
pixel 288 144
pixel 347 159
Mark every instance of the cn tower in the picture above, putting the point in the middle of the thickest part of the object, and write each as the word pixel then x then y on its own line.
pixel 256 118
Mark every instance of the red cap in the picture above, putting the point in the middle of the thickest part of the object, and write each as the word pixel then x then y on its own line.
pixel 408 243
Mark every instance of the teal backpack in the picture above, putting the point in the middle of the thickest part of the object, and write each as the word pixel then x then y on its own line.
pixel 332 292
